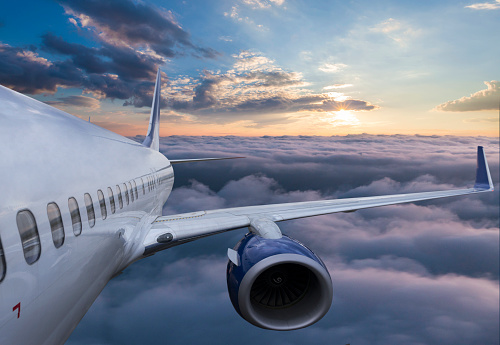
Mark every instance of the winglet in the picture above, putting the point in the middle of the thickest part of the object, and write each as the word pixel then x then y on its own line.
pixel 483 177
pixel 153 137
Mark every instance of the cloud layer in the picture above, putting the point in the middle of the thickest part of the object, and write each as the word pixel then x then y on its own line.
pixel 409 274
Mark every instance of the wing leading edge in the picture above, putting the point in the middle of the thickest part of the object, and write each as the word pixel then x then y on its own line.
pixel 168 231
pixel 191 160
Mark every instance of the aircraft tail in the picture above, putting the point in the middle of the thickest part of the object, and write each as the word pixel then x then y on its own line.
pixel 152 139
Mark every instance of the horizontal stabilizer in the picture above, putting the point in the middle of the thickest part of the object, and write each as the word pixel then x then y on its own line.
pixel 177 161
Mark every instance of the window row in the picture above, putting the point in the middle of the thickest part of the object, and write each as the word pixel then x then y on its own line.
pixel 28 230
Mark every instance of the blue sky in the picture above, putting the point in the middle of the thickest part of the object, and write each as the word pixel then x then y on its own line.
pixel 255 67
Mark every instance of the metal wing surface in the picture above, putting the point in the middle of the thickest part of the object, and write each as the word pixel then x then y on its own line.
pixel 168 231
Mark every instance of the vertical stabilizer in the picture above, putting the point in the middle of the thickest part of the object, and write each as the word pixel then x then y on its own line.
pixel 153 137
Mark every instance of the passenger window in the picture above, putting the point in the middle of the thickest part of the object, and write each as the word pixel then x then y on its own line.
pixel 126 193
pixel 135 189
pixel 131 191
pixel 76 220
pixel 26 224
pixel 102 204
pixel 3 266
pixel 90 209
pixel 111 200
pixel 143 189
pixel 119 193
pixel 56 224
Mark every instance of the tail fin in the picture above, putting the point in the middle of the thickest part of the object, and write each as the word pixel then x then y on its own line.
pixel 153 138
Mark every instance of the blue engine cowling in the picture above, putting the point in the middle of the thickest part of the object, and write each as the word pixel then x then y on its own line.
pixel 278 284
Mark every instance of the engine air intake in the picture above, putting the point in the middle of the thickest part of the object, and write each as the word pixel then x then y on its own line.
pixel 278 284
pixel 281 286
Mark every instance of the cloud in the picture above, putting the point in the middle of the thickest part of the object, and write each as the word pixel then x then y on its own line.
pixel 131 39
pixel 256 89
pixel 332 68
pixel 487 99
pixel 262 4
pixel 77 101
pixel 414 274
pixel 131 24
pixel 390 25
pixel 27 72
pixel 485 5
pixel 234 14
pixel 396 30
pixel 337 86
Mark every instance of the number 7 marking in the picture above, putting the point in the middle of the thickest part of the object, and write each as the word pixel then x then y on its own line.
pixel 18 307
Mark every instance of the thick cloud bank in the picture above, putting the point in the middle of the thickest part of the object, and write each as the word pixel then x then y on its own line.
pixel 423 273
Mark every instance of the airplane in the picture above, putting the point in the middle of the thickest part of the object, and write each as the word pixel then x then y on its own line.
pixel 80 204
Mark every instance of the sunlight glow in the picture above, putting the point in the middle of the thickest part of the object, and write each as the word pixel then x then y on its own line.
pixel 344 117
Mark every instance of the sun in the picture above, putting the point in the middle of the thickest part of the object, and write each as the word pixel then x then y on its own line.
pixel 344 117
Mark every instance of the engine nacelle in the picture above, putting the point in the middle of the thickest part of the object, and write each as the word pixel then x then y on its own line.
pixel 278 284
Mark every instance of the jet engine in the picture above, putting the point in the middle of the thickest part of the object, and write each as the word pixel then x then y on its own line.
pixel 278 283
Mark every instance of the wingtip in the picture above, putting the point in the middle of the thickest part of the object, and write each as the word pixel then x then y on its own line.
pixel 483 176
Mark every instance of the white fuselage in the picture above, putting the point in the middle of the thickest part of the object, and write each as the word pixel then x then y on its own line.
pixel 48 156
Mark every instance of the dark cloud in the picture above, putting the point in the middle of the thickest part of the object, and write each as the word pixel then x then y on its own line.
pixel 136 24
pixel 213 96
pixel 82 56
pixel 254 89
pixel 131 40
pixel 25 71
pixel 409 274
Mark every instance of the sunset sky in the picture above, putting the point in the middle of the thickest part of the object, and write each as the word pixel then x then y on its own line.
pixel 325 99
pixel 261 67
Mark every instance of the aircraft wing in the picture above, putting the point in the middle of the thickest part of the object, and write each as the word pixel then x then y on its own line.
pixel 169 231
pixel 177 161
